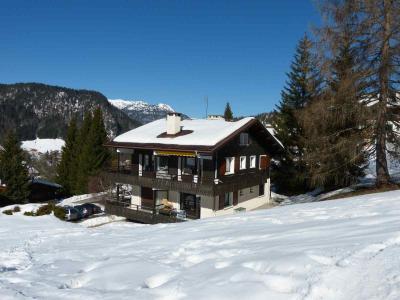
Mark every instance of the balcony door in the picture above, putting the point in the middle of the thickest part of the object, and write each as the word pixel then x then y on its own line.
pixel 191 204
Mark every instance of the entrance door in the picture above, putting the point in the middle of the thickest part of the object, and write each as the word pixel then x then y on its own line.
pixel 191 204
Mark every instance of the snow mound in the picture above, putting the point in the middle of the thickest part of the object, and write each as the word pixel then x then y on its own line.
pixel 342 249
pixel 43 145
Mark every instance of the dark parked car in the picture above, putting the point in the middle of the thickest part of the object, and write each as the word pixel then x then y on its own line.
pixel 94 208
pixel 72 214
pixel 88 209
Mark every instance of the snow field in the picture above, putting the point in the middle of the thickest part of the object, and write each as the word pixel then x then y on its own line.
pixel 341 249
pixel 43 145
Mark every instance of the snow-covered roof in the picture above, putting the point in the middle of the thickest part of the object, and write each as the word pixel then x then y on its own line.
pixel 271 130
pixel 204 132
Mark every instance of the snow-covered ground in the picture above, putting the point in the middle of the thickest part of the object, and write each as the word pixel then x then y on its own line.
pixel 43 145
pixel 341 249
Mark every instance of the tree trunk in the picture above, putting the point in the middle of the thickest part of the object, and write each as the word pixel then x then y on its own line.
pixel 382 172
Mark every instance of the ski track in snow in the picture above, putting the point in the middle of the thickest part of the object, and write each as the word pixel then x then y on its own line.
pixel 341 249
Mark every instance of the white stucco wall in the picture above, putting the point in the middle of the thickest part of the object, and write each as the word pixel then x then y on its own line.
pixel 249 201
pixel 174 198
pixel 209 205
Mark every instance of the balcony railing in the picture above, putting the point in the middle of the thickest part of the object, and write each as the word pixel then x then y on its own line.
pixel 141 214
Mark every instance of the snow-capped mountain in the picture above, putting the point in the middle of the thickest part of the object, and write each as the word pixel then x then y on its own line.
pixel 141 110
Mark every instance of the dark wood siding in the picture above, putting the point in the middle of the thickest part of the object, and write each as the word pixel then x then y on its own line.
pixel 208 173
pixel 234 149
pixel 222 167
pixel 235 198
pixel 237 163
pixel 221 201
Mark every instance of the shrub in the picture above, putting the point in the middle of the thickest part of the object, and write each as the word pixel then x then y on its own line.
pixel 8 212
pixel 59 212
pixel 16 209
pixel 45 210
pixel 29 213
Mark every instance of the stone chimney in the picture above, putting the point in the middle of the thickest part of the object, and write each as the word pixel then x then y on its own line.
pixel 173 123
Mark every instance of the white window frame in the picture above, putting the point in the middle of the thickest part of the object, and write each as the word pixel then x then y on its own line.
pixel 243 162
pixel 259 163
pixel 254 164
pixel 244 141
pixel 230 165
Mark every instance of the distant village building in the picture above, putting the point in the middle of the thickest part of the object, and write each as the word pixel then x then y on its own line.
pixel 191 169
pixel 215 117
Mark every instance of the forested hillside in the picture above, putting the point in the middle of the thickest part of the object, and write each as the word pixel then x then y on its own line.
pixel 40 110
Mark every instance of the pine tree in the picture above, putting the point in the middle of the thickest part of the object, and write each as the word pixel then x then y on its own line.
pixel 302 85
pixel 334 124
pixel 228 115
pixel 83 156
pixel 375 26
pixel 93 154
pixel 13 171
pixel 67 168
pixel 98 137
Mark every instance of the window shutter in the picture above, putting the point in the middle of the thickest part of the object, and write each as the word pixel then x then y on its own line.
pixel 264 162
pixel 221 201
pixel 235 198
pixel 222 167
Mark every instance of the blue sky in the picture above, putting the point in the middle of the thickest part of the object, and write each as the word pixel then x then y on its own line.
pixel 176 52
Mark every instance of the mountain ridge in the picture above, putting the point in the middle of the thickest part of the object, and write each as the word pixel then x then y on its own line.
pixel 40 110
pixel 141 110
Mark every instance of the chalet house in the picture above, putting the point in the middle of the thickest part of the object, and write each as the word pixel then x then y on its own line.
pixel 191 168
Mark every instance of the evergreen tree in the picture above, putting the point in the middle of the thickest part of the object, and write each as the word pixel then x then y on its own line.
pixel 228 115
pixel 334 124
pixel 97 138
pixel 67 168
pixel 13 171
pixel 93 154
pixel 375 26
pixel 302 85
pixel 82 165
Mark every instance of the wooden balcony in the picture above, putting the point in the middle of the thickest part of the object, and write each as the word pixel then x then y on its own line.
pixel 160 180
pixel 138 214
pixel 205 186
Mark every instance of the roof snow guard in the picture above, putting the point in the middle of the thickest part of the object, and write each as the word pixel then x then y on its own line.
pixel 196 134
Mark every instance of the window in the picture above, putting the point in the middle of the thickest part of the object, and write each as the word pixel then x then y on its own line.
pixel 242 162
pixel 252 161
pixel 189 165
pixel 251 190
pixel 244 139
pixel 146 163
pixel 241 193
pixel 162 164
pixel 230 165
pixel 228 201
